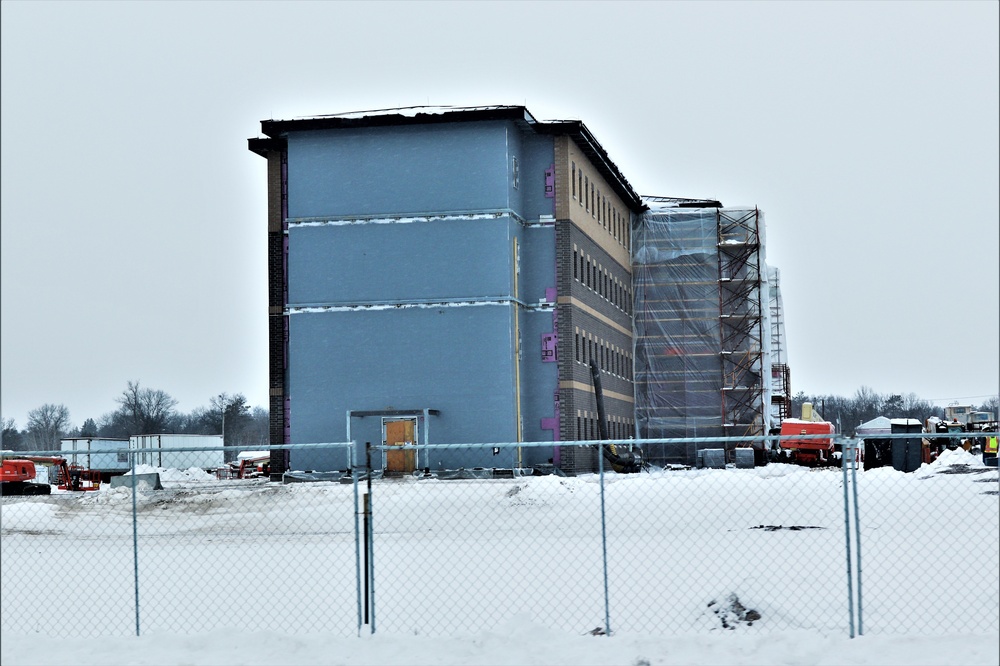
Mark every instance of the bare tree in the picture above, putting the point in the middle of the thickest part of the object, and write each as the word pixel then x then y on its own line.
pixel 145 411
pixel 991 405
pixel 259 431
pixel 46 425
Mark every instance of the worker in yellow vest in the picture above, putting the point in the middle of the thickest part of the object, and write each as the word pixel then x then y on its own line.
pixel 990 451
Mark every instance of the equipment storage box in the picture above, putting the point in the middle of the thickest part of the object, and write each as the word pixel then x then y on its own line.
pixel 906 452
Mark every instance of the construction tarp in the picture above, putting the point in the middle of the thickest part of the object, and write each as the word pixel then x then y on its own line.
pixel 702 327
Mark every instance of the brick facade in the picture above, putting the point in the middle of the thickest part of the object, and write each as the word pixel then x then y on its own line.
pixel 588 316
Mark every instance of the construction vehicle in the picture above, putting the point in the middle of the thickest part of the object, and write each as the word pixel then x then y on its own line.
pixel 623 461
pixel 934 446
pixel 968 417
pixel 17 477
pixel 20 474
pixel 255 465
pixel 810 449
pixel 960 419
pixel 248 465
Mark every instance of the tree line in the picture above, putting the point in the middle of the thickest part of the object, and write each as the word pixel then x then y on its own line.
pixel 146 411
pixel 867 404
pixel 143 411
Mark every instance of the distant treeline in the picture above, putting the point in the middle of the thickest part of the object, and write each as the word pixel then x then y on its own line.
pixel 142 411
pixel 866 404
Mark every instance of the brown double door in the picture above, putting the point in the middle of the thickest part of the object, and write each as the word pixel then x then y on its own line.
pixel 397 433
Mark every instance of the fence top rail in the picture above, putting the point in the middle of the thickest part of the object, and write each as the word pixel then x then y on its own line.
pixel 851 441
pixel 595 442
pixel 62 453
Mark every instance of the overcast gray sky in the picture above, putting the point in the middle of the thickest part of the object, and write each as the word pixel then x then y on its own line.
pixel 134 218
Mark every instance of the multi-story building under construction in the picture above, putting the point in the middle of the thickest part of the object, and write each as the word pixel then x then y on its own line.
pixel 446 275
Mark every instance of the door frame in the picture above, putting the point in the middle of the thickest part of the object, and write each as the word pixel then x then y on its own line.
pixel 416 441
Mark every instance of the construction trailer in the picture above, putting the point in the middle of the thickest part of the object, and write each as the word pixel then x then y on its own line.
pixel 77 450
pixel 155 450
pixel 704 327
pixel 163 451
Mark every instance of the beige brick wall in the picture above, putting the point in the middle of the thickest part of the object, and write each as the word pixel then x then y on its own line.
pixel 610 230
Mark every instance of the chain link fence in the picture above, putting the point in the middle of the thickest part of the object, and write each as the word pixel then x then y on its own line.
pixel 437 551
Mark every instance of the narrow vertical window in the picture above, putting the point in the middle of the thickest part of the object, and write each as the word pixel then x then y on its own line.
pixel 573 179
pixel 586 186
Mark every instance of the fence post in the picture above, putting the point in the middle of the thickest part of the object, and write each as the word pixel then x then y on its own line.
pixel 135 543
pixel 857 529
pixel 357 533
pixel 604 541
pixel 369 543
pixel 847 539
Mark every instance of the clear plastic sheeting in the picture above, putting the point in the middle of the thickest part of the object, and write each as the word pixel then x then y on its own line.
pixel 702 326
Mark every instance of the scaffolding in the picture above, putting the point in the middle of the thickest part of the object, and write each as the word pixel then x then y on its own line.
pixel 741 318
pixel 703 326
pixel 781 383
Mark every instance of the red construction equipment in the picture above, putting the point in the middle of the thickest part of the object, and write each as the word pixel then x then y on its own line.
pixel 251 468
pixel 813 450
pixel 19 473
pixel 16 476
pixel 248 465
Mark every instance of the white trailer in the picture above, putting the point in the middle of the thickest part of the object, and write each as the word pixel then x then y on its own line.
pixel 77 451
pixel 162 451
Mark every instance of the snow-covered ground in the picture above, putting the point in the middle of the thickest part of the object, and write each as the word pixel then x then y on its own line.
pixel 513 643
pixel 704 567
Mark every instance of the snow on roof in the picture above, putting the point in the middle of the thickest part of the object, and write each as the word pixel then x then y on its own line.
pixel 880 425
pixel 411 111
pixel 659 203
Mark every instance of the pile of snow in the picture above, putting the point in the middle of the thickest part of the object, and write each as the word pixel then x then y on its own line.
pixel 169 475
pixel 952 459
pixel 957 457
